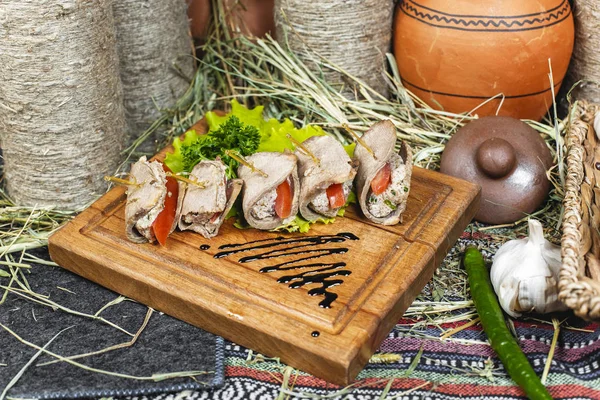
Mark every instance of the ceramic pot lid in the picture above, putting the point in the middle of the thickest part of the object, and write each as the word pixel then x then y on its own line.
pixel 508 158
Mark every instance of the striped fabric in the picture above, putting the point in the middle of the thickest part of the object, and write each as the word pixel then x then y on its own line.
pixel 463 367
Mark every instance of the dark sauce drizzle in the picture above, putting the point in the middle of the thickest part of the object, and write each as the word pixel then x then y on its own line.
pixel 278 241
pixel 204 247
pixel 234 245
pixel 325 274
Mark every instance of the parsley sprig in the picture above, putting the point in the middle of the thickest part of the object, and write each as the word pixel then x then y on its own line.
pixel 231 135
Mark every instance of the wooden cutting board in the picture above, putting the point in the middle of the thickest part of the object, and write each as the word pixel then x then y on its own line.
pixel 366 274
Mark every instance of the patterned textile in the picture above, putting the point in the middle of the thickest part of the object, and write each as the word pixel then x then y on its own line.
pixel 465 368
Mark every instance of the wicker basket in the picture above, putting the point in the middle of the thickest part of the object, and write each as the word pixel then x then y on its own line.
pixel 576 289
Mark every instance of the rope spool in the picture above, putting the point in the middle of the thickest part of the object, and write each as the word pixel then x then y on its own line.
pixel 155 59
pixel 61 112
pixel 585 64
pixel 352 34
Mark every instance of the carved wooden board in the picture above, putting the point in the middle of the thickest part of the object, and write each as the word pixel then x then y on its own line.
pixel 374 278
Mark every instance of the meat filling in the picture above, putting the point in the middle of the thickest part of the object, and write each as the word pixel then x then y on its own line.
pixel 145 201
pixel 383 204
pixel 320 202
pixel 144 224
pixel 264 208
pixel 206 215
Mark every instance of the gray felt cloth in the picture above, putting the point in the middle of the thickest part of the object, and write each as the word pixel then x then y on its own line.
pixel 166 345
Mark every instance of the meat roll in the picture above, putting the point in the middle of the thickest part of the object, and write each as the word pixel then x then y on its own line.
pixel 383 183
pixel 145 199
pixel 271 201
pixel 203 210
pixel 326 184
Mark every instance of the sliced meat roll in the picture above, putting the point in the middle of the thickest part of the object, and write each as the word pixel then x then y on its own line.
pixel 326 184
pixel 271 201
pixel 203 209
pixel 145 199
pixel 383 182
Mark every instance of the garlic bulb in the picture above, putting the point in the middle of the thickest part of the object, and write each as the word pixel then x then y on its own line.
pixel 525 274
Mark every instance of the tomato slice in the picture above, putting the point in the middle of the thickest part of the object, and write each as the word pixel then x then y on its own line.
pixel 164 221
pixel 382 180
pixel 283 201
pixel 335 194
pixel 215 217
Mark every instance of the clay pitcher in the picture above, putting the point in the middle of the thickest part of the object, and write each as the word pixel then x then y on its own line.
pixel 199 15
pixel 253 18
pixel 456 54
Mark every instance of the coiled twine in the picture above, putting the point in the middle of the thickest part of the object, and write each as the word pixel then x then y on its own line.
pixel 585 64
pixel 61 110
pixel 351 34
pixel 155 54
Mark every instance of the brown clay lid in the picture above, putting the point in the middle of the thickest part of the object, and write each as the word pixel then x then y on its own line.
pixel 508 159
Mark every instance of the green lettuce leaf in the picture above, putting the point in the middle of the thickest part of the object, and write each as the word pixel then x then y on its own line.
pixel 175 160
pixel 301 225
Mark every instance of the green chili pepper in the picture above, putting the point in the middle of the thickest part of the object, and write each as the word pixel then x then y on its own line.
pixel 494 325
